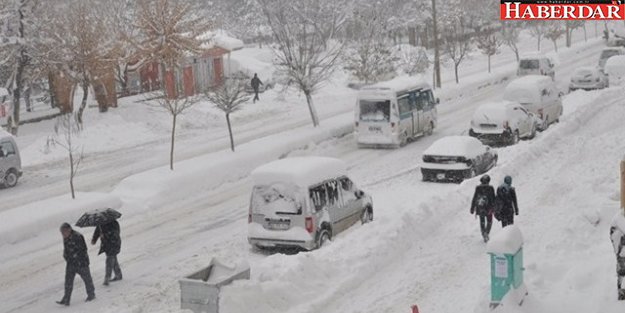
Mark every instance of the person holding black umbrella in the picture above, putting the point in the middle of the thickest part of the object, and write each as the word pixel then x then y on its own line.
pixel 110 244
pixel 77 258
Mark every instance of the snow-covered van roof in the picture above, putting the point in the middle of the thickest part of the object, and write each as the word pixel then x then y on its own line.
pixel 533 55
pixel 301 171
pixel 494 110
pixel 616 62
pixel 397 85
pixel 455 146
pixel 526 89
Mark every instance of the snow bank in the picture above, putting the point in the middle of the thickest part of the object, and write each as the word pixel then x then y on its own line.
pixel 4 134
pixel 30 220
pixel 508 241
pixel 207 172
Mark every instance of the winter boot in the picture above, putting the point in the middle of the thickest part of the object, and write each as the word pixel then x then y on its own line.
pixel 63 301
pixel 90 298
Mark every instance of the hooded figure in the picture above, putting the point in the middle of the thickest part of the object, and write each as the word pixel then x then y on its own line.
pixel 506 204
pixel 617 236
pixel 483 205
pixel 110 244
pixel 77 258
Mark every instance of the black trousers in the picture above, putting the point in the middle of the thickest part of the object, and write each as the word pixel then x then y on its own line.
pixel 620 274
pixel 70 274
pixel 255 95
pixel 507 219
pixel 112 266
pixel 486 223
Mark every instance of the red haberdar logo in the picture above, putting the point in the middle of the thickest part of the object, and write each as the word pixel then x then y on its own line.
pixel 562 10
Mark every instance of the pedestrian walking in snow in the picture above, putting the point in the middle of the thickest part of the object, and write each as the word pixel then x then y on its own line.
pixel 483 205
pixel 110 244
pixel 77 258
pixel 506 206
pixel 256 85
pixel 617 236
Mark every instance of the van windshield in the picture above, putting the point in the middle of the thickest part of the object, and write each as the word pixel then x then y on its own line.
pixel 605 54
pixel 277 198
pixel 375 111
pixel 528 64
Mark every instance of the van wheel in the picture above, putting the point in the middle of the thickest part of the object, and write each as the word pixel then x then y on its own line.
pixel 10 180
pixel 533 133
pixel 404 140
pixel 324 238
pixel 367 216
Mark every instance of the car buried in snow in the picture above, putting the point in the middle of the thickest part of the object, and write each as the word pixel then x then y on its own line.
pixel 615 69
pixel 303 202
pixel 588 78
pixel 10 161
pixel 502 123
pixel 607 53
pixel 456 158
pixel 536 65
pixel 539 95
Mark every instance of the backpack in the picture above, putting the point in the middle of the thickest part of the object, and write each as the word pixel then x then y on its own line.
pixel 482 203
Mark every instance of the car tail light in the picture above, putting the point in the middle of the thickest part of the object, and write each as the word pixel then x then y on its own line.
pixel 249 218
pixel 310 226
pixel 506 125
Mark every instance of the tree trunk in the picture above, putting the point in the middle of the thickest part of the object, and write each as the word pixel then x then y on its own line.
pixel 173 138
pixel 230 132
pixel 83 103
pixel 437 61
pixel 71 172
pixel 538 38
pixel 585 34
pixel 555 45
pixel 489 63
pixel 456 72
pixel 412 36
pixel 516 53
pixel 597 29
pixel 568 32
pixel 311 108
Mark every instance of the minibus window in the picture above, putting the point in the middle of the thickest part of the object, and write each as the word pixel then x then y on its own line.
pixel 404 105
pixel 375 111
pixel 333 193
pixel 528 64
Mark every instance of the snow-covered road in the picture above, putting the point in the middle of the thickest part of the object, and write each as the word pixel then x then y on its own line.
pixel 175 239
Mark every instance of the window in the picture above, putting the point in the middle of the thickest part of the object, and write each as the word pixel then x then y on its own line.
pixel 404 105
pixel 7 148
pixel 529 64
pixel 333 193
pixel 375 111
pixel 347 189
pixel 319 197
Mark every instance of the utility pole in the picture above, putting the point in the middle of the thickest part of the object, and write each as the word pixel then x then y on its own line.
pixel 623 183
pixel 437 61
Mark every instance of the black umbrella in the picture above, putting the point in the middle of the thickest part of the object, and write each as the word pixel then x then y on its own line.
pixel 98 217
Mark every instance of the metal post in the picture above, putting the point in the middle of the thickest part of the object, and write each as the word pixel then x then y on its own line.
pixel 623 184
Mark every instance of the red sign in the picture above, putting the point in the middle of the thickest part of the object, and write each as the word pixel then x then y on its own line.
pixel 562 10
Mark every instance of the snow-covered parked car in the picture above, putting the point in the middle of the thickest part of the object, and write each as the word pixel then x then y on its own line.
pixel 456 158
pixel 536 65
pixel 588 78
pixel 607 53
pixel 502 123
pixel 615 69
pixel 10 161
pixel 303 202
pixel 539 95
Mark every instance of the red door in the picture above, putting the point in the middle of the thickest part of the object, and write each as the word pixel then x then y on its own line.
pixel 218 65
pixel 188 81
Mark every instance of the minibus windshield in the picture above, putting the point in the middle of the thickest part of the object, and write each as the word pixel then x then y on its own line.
pixel 375 111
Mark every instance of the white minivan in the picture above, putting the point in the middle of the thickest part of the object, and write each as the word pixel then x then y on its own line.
pixel 10 161
pixel 536 65
pixel 303 202
pixel 539 95
pixel 394 112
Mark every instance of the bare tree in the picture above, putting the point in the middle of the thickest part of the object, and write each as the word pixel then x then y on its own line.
pixel 554 31
pixel 570 26
pixel 489 42
pixel 456 45
pixel 510 32
pixel 537 30
pixel 174 107
pixel 369 57
pixel 229 97
pixel 67 129
pixel 412 60
pixel 306 53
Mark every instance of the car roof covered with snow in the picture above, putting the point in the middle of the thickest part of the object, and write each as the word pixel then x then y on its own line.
pixel 455 146
pixel 615 63
pixel 395 86
pixel 526 89
pixel 533 56
pixel 494 110
pixel 586 69
pixel 301 171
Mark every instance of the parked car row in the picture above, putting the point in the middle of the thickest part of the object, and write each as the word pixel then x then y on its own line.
pixel 10 161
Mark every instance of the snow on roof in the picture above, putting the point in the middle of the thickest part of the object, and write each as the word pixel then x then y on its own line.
pixel 508 241
pixel 586 69
pixel 617 61
pixel 301 171
pixel 529 81
pixel 533 55
pixel 221 39
pixel 400 83
pixel 250 61
pixel 455 146
pixel 495 111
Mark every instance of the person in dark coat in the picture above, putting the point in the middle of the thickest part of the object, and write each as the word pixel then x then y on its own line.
pixel 77 259
pixel 507 206
pixel 256 85
pixel 617 236
pixel 110 244
pixel 483 205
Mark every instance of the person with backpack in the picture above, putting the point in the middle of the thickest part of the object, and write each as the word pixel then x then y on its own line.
pixel 483 205
pixel 506 206
pixel 256 86
pixel 617 236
